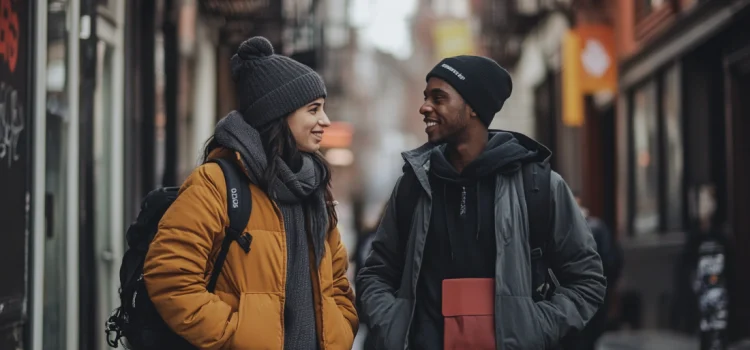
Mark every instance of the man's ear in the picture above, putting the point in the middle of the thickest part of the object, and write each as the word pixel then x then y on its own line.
pixel 471 111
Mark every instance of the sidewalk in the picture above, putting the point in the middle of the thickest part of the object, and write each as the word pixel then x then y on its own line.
pixel 647 340
pixel 656 340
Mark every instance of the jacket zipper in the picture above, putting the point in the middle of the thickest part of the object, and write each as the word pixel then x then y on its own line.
pixel 463 202
pixel 447 218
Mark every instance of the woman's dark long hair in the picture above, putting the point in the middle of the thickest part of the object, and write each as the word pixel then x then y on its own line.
pixel 277 140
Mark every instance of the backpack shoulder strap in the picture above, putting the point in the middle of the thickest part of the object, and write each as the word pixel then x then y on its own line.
pixel 407 195
pixel 239 207
pixel 536 187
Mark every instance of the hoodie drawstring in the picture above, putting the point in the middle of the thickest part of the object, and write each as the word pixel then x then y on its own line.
pixel 463 202
pixel 445 212
pixel 479 210
pixel 463 208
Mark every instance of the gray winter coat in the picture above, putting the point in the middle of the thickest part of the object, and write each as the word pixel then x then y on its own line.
pixel 387 284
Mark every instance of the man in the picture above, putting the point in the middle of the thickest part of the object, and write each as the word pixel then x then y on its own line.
pixel 469 221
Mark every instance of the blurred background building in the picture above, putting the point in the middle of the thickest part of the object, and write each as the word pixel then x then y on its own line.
pixel 643 103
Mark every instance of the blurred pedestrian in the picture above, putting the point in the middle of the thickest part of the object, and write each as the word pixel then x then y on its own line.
pixel 364 247
pixel 460 272
pixel 611 254
pixel 290 290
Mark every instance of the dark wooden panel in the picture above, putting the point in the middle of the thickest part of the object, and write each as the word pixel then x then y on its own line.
pixel 738 148
pixel 15 156
pixel 11 337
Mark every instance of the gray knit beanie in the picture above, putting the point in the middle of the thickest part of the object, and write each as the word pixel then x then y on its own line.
pixel 271 86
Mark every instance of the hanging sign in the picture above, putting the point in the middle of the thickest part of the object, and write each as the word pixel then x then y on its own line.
pixel 589 66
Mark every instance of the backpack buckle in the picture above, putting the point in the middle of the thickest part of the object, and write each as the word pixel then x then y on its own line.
pixel 244 239
pixel 537 253
pixel 112 326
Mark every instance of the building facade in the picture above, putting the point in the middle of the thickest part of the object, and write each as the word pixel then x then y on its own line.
pixel 102 101
pixel 656 155
pixel 681 126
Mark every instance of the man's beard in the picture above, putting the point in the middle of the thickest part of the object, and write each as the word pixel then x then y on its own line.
pixel 462 123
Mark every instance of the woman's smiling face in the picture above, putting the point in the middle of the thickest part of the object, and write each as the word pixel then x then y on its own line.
pixel 307 125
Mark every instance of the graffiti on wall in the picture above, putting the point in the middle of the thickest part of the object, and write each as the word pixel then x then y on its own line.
pixel 12 121
pixel 9 34
pixel 16 82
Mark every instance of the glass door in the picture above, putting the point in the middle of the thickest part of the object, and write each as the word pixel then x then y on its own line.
pixel 108 169
pixel 57 121
pixel 102 182
pixel 59 300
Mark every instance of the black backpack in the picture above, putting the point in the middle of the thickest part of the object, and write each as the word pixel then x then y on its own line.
pixel 137 319
pixel 536 186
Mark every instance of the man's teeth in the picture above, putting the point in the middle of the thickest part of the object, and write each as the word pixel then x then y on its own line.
pixel 429 124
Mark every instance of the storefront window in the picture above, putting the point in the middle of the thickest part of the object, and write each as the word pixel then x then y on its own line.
pixel 673 147
pixel 658 154
pixel 646 159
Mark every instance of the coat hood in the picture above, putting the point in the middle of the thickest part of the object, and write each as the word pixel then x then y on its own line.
pixel 419 158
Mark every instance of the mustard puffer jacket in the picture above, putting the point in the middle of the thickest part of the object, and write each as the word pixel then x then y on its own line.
pixel 247 309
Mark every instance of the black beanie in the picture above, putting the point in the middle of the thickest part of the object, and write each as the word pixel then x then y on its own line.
pixel 483 83
pixel 271 86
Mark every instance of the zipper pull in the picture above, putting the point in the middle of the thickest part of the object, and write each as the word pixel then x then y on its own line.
pixel 463 202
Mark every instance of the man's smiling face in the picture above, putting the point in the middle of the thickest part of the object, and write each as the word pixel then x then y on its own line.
pixel 445 112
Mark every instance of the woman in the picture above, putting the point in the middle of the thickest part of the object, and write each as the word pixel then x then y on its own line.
pixel 290 291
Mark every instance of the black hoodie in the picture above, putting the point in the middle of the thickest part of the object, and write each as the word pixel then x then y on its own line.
pixel 461 238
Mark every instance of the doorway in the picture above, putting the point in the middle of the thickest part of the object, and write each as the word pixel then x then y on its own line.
pixel 597 150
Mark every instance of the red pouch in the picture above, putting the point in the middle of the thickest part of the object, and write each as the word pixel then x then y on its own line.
pixel 469 313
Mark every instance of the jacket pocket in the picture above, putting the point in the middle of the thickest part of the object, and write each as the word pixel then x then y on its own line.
pixel 521 329
pixel 394 337
pixel 469 313
pixel 260 325
pixel 469 332
pixel 337 331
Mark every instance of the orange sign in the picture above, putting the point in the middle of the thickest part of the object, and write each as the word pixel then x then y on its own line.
pixel 572 103
pixel 597 58
pixel 338 135
pixel 589 66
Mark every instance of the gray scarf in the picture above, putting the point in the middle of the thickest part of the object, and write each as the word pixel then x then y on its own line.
pixel 288 188
pixel 299 196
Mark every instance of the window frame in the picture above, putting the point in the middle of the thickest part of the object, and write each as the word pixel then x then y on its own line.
pixel 666 221
pixel 652 86
pixel 666 154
